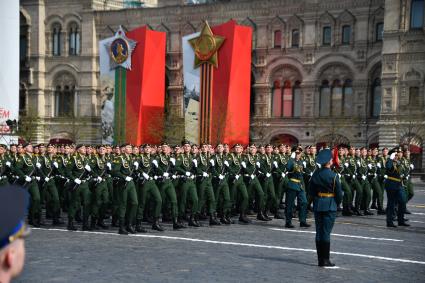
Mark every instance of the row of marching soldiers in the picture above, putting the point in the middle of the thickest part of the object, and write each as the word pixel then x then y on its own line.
pixel 184 184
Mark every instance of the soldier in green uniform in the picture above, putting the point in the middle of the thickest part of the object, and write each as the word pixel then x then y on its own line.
pixel 280 175
pixel 394 188
pixel 185 166
pixel 147 189
pixel 5 166
pixel 251 164
pixel 238 193
pixel 347 200
pixel 309 162
pixel 166 173
pixel 373 177
pixel 123 169
pixel 26 167
pixel 350 175
pixel 326 190
pixel 362 176
pixel 380 164
pixel 78 187
pixel 48 173
pixel 266 171
pixel 296 189
pixel 220 170
pixel 204 169
pixel 100 200
pixel 407 180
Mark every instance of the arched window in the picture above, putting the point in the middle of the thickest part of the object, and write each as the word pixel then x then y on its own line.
pixel 287 99
pixel 277 100
pixel 327 35
pixel 347 97
pixel 64 96
pixel 414 97
pixel 56 39
pixel 379 31
pixel 277 39
pixel 336 103
pixel 376 97
pixel 417 14
pixel 325 99
pixel 346 35
pixel 74 39
pixel 295 38
pixel 297 99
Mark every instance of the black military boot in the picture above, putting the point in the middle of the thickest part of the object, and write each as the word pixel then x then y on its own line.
pixel 228 218
pixel 180 222
pixel 289 225
pixel 358 212
pixel 139 227
pixel 373 206
pixel 304 225
pixel 122 230
pixel 101 223
pixel 93 224
pixel 57 221
pixel 243 219
pixel 71 226
pixel 177 225
pixel 40 220
pixel 193 222
pixel 267 216
pixel 214 220
pixel 319 253
pixel 129 228
pixel 346 211
pixel 260 216
pixel 157 226
pixel 86 226
pixel 326 246
pixel 114 222
pixel 381 211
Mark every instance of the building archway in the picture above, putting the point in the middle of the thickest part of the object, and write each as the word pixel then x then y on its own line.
pixel 284 139
pixel 415 145
pixel 61 138
pixel 331 140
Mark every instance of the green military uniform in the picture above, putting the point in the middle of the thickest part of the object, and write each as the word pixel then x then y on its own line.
pixel 407 167
pixel 380 170
pixel 123 169
pixel 147 189
pixel 26 170
pixel 100 194
pixel 238 192
pixel 309 163
pixel 220 166
pixel 280 178
pixel 362 177
pixel 5 167
pixel 373 178
pixel 185 166
pixel 350 175
pixel 296 189
pixel 347 200
pixel 204 185
pixel 266 171
pixel 251 164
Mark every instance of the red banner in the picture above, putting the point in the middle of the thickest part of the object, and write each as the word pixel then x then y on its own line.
pixel 145 87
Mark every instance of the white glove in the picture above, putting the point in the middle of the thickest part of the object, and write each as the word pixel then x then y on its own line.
pixel 27 178
pixel 46 179
pixel 407 177
pixel 136 164
pixel 311 173
pixel 212 162
pixel 237 177
pixel 378 165
pixel 243 164
pixel 174 177
pixel 346 164
pixel 173 160
pixel 166 174
pixel 195 162
pixel 221 177
pixel 38 165
pixel 37 178
pixel 56 165
pixel 77 181
pixel 392 156
pixel 412 166
pixel 8 163
pixel 155 177
pixel 339 175
pixel 109 165
pixel 363 177
pixel 204 174
pixel 99 179
pixel 283 175
pixel 268 175
pixel 226 163
pixel 385 176
pixel 188 174
pixel 87 167
pixel 354 176
pixel 275 164
pixel 376 174
pixel 258 164
pixel 319 165
pixel 293 155
pixel 370 166
pixel 358 163
pixel 304 164
pixel 252 176
pixel 155 162
pixel 146 176
pixel 128 179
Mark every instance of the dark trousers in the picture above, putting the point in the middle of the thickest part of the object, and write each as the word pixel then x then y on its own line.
pixel 395 197
pixel 324 223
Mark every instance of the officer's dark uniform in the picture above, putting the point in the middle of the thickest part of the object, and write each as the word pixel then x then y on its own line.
pixel 325 187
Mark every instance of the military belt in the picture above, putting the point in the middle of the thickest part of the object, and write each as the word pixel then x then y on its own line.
pixel 326 195
pixel 294 180
pixel 394 179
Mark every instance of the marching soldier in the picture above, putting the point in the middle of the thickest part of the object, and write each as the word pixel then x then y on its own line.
pixel 326 190
pixel 347 200
pixel 5 166
pixel 280 175
pixel 351 166
pixel 296 189
pixel 266 171
pixel 363 171
pixel 373 176
pixel 407 181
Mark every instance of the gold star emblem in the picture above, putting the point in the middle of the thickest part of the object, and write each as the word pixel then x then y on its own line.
pixel 206 46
